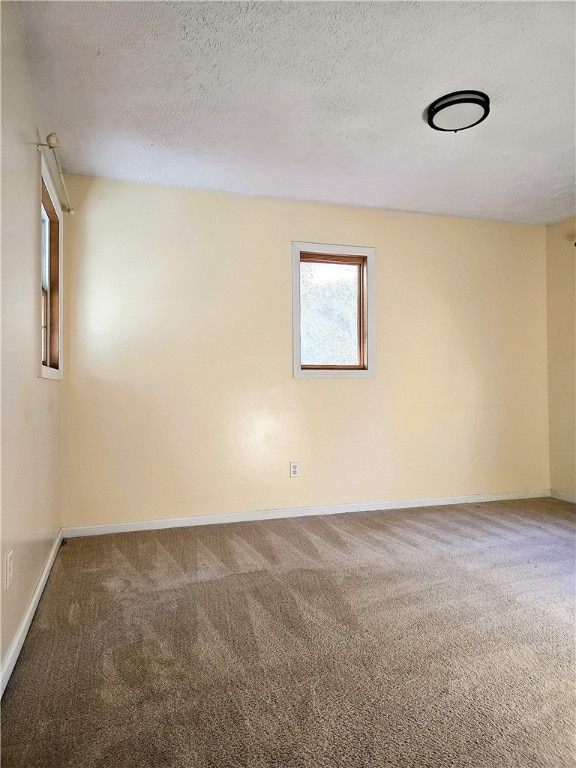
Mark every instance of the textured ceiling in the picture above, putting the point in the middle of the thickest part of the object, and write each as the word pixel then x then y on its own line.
pixel 316 101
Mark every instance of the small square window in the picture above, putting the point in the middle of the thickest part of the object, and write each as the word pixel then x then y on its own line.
pixel 333 310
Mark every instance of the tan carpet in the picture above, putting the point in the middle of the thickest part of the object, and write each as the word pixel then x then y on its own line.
pixel 441 636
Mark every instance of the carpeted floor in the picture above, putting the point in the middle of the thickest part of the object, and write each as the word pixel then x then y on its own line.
pixel 421 638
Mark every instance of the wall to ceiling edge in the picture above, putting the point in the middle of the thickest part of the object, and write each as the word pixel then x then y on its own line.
pixel 179 395
pixel 561 326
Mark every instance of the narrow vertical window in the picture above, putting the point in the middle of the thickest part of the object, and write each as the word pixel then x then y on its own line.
pixel 333 330
pixel 50 283
pixel 45 279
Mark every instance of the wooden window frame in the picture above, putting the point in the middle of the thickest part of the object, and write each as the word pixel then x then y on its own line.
pixel 360 262
pixel 51 294
pixel 364 258
pixel 44 322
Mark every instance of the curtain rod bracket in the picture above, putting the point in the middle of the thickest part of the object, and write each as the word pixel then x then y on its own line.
pixel 53 144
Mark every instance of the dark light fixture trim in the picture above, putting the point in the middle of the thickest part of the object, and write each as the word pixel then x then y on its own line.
pixel 453 99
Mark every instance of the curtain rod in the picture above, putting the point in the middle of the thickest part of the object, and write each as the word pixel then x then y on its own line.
pixel 53 144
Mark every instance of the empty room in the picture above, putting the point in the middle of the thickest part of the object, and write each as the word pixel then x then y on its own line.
pixel 288 386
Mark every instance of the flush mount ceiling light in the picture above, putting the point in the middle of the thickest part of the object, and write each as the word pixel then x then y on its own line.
pixel 458 110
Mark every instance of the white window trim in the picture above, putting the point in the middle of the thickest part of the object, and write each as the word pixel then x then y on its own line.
pixel 50 373
pixel 45 372
pixel 340 250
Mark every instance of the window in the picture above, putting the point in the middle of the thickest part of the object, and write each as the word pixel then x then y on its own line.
pixel 50 280
pixel 333 310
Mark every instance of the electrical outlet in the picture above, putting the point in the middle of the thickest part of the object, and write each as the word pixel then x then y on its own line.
pixel 8 569
pixel 294 469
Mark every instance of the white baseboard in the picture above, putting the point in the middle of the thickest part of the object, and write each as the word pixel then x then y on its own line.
pixel 272 514
pixel 563 496
pixel 16 645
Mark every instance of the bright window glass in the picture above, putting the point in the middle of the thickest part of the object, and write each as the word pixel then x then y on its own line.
pixel 45 229
pixel 329 313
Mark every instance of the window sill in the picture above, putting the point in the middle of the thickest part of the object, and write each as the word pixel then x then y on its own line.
pixel 323 373
pixel 50 373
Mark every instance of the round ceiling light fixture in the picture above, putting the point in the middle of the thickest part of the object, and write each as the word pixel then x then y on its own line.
pixel 458 110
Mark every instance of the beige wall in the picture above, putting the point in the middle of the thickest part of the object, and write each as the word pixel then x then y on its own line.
pixel 561 290
pixel 31 407
pixel 179 397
